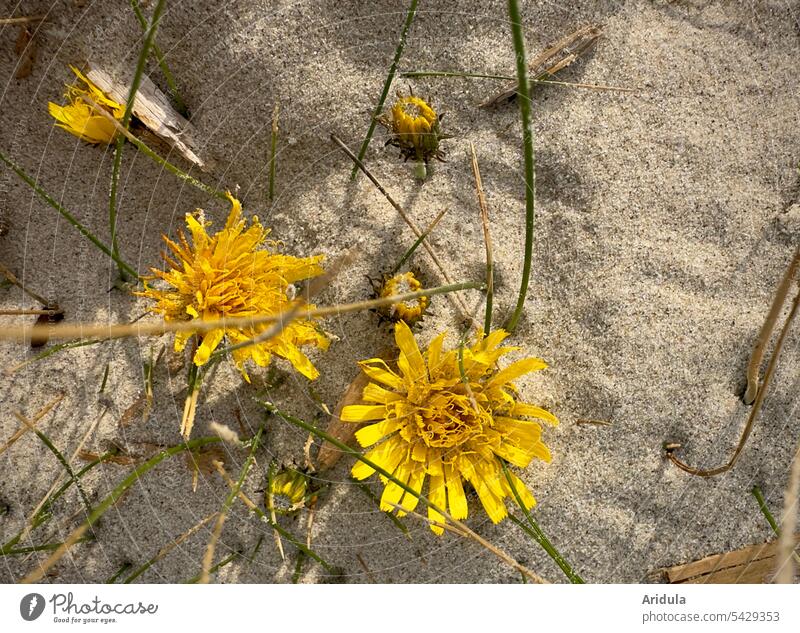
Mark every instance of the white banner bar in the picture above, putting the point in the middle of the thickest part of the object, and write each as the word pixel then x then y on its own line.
pixel 406 608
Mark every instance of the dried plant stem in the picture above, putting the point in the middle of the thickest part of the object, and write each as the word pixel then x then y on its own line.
pixel 30 424
pixel 121 330
pixel 527 142
pixel 453 523
pixel 418 241
pixel 463 531
pixel 110 500
pixel 226 506
pixel 773 362
pixel 36 297
pixel 398 52
pixel 570 84
pixel 487 241
pixel 43 513
pixel 162 63
pixel 29 312
pixel 273 146
pixel 48 497
pixel 23 19
pixel 167 549
pixel 766 329
pixel 406 218
pixel 786 540
pixel 140 145
pixel 271 509
pixel 68 216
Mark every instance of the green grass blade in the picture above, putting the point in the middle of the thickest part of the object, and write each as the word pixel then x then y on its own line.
pixel 68 216
pixel 530 166
pixel 126 119
pixel 162 63
pixel 412 10
pixel 536 532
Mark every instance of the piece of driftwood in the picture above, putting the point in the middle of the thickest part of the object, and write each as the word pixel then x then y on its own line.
pixel 343 431
pixel 153 109
pixel 551 60
pixel 754 564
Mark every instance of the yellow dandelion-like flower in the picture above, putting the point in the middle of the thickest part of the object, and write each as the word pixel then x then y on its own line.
pixel 409 311
pixel 228 275
pixel 79 118
pixel 287 491
pixel 415 129
pixel 425 423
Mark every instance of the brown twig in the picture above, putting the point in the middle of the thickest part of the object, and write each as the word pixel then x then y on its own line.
pixel 25 427
pixel 552 59
pixel 766 329
pixel 406 218
pixel 457 527
pixel 487 240
pixel 36 297
pixel 773 362
pixel 23 19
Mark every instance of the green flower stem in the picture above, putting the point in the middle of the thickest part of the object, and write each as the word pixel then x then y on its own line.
pixel 126 119
pixel 173 88
pixel 536 532
pixel 762 504
pixel 527 141
pixel 68 216
pixel 175 171
pixel 228 559
pixel 412 10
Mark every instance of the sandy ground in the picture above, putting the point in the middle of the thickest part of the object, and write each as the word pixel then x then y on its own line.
pixel 665 220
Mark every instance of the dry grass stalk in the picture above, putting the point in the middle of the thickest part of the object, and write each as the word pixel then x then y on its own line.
pixel 23 19
pixel 459 528
pixel 33 422
pixel 766 329
pixel 37 574
pixel 459 304
pixel 759 401
pixel 122 330
pixel 552 59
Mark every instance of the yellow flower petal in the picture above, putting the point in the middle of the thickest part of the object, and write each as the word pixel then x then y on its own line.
pixel 517 369
pixel 362 412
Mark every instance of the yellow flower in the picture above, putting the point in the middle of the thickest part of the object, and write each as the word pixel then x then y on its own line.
pixel 415 128
pixel 80 119
pixel 288 488
pixel 408 311
pixel 228 275
pixel 425 423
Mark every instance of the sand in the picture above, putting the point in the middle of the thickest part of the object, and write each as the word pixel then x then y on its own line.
pixel 665 220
